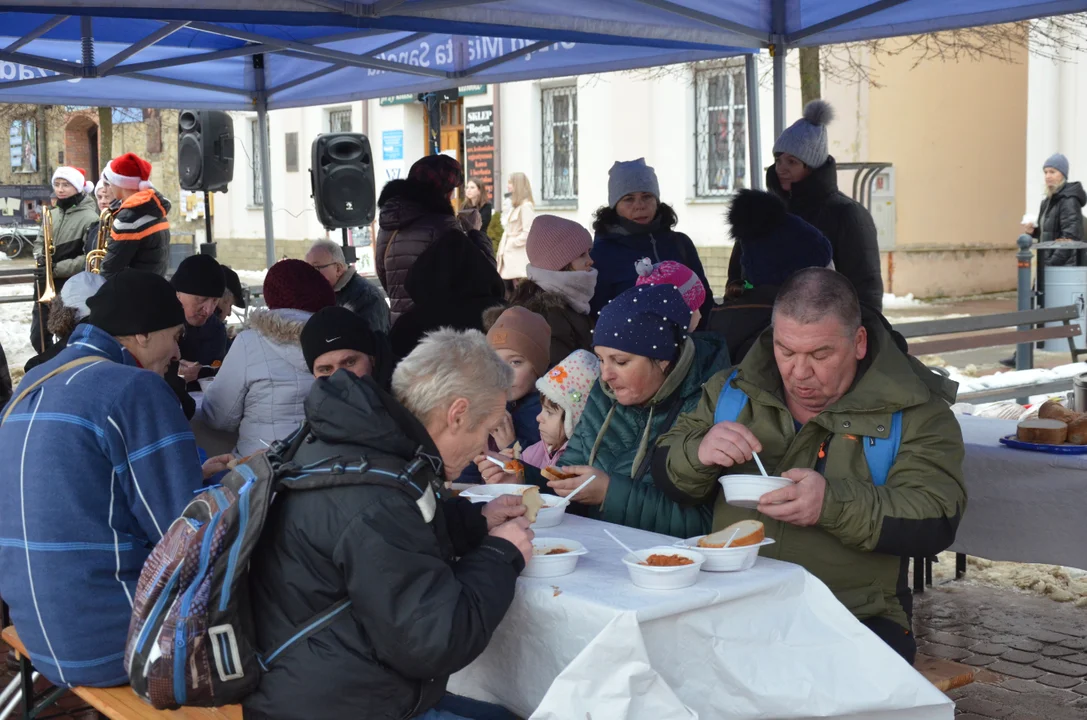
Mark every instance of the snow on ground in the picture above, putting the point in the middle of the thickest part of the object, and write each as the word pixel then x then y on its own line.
pixel 253 278
pixel 1014 378
pixel 15 326
pixel 1057 583
pixel 894 302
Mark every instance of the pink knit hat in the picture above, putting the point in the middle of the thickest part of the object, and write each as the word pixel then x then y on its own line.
pixel 554 242
pixel 672 273
pixel 568 385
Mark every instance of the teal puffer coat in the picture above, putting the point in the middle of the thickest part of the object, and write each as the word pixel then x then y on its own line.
pixel 620 446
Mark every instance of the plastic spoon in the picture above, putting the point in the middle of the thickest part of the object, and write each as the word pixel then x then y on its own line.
pixel 621 543
pixel 734 534
pixel 499 463
pixel 566 500
pixel 759 463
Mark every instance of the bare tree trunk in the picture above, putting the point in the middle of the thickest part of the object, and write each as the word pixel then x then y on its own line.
pixel 810 83
pixel 45 160
pixel 105 136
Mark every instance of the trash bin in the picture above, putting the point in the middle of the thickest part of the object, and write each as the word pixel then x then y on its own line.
pixel 1066 285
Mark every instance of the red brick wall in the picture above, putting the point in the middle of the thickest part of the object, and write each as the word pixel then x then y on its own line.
pixel 77 148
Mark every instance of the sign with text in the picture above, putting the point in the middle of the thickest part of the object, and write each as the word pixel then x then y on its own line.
pixel 392 145
pixel 479 146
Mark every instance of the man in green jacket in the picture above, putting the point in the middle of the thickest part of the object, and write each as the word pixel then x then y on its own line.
pixel 819 385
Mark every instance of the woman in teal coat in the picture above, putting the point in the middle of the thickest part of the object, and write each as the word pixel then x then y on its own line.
pixel 651 371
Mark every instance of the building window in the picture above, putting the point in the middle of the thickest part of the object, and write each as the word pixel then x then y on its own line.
pixel 257 181
pixel 339 120
pixel 560 143
pixel 721 130
pixel 291 151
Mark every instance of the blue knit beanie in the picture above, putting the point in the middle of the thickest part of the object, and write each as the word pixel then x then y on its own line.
pixel 648 320
pixel 806 139
pixel 1059 163
pixel 774 243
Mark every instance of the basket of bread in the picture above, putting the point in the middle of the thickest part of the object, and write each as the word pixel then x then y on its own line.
pixel 1056 430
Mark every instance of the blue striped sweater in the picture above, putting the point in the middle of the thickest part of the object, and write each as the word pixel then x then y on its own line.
pixel 97 462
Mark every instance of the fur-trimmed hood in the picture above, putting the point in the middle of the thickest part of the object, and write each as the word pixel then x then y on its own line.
pixel 402 202
pixel 283 326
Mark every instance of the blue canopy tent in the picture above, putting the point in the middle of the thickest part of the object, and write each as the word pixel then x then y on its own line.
pixel 268 54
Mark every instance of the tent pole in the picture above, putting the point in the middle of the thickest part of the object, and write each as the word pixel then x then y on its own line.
pixel 754 136
pixel 777 52
pixel 265 161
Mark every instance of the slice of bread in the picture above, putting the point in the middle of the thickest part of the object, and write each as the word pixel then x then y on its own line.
pixel 533 503
pixel 1077 431
pixel 748 532
pixel 1047 432
pixel 1054 410
pixel 554 473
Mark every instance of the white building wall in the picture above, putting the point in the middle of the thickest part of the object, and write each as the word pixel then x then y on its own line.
pixel 1056 104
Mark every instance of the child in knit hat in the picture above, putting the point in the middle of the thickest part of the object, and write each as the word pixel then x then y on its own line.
pixel 670 272
pixel 563 394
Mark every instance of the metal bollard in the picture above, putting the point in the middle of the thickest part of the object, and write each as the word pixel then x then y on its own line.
pixel 1024 352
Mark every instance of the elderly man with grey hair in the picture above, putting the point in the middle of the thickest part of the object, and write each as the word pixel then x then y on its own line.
pixel 863 434
pixel 399 585
pixel 352 291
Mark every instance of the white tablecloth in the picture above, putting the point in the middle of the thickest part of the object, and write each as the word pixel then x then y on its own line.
pixel 771 642
pixel 1021 506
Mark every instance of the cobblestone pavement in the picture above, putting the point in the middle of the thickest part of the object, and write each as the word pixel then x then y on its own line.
pixel 1031 652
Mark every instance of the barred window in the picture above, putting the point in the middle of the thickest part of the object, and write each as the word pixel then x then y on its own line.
pixel 560 143
pixel 257 198
pixel 339 120
pixel 721 131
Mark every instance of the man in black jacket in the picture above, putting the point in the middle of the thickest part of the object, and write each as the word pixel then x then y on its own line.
pixel 421 581
pixel 352 291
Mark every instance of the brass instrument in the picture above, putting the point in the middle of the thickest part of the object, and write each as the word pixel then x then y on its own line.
pixel 98 254
pixel 50 290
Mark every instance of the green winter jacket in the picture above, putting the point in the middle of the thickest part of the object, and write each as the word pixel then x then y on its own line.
pixel 866 534
pixel 618 439
pixel 69 233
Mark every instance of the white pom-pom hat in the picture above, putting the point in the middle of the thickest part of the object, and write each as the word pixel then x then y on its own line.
pixel 76 177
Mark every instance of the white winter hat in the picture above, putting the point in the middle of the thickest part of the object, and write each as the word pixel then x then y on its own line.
pixel 76 177
pixel 568 385
pixel 77 289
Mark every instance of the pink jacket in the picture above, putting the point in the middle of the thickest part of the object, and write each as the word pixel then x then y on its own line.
pixel 537 455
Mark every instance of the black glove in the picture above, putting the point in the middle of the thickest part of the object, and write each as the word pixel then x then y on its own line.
pixel 39 272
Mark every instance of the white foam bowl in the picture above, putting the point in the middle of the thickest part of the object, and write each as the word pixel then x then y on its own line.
pixel 549 515
pixel 732 559
pixel 745 490
pixel 664 578
pixel 548 566
pixel 486 493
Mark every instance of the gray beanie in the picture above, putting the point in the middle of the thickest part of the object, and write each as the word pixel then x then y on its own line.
pixel 806 139
pixel 1059 163
pixel 629 177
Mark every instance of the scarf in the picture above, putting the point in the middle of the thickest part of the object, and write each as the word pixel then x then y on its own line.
pixel 69 202
pixel 576 286
pixel 629 227
pixel 344 279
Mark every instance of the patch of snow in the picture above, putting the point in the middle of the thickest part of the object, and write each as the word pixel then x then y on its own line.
pixel 252 278
pixel 894 302
pixel 15 324
pixel 1015 378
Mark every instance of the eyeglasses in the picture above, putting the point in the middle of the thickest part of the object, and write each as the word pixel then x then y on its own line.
pixel 322 267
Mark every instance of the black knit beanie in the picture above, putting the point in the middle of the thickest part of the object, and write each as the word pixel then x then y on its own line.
pixel 336 328
pixel 199 275
pixel 135 302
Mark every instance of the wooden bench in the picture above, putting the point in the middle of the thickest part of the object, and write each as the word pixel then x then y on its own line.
pixel 944 674
pixel 120 703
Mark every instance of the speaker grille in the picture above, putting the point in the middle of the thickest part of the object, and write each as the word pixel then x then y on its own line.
pixel 190 161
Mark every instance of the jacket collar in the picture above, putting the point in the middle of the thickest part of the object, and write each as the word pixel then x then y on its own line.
pixel 344 279
pixel 88 339
pixel 822 181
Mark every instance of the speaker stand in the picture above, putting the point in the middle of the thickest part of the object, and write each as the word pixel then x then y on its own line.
pixel 208 248
pixel 349 255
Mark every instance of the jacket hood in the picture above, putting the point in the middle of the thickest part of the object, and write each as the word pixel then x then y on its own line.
pixel 823 181
pixel 403 202
pixel 344 409
pixel 283 326
pixel 1073 190
pixel 888 380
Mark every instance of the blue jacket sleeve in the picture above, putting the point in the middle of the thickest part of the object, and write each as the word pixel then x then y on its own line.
pixel 153 453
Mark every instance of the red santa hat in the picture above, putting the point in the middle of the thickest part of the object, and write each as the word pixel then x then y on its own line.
pixel 129 171
pixel 75 176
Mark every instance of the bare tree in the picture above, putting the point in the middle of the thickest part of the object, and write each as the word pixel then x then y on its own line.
pixel 105 135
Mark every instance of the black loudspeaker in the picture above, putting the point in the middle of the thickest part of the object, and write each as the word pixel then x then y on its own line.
pixel 342 178
pixel 205 150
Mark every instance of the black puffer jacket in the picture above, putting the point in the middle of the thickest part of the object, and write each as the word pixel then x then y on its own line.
pixel 365 300
pixel 845 222
pixel 740 320
pixel 413 217
pixel 1060 217
pixel 417 614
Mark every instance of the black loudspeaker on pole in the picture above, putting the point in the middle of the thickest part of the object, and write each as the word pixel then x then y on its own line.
pixel 342 180
pixel 205 156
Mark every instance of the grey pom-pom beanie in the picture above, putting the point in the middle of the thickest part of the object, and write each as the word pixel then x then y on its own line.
pixel 806 139
pixel 1059 163
pixel 629 177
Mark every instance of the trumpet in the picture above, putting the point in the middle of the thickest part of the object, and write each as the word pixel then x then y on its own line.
pixel 98 254
pixel 50 290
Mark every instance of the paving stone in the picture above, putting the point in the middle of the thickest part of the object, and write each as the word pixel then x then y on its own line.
pixel 1026 645
pixel 970 716
pixel 1047 636
pixel 1059 681
pixel 1005 638
pixel 977 632
pixel 945 638
pixel 1023 658
pixel 1058 652
pixel 947 652
pixel 1021 686
pixel 1081 689
pixel 1023 672
pixel 979 660
pixel 988 648
pixel 1075 644
pixel 985 708
pixel 1061 667
pixel 1079 659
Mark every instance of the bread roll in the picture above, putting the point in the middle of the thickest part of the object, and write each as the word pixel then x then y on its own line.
pixel 1044 431
pixel 751 532
pixel 1053 410
pixel 1077 431
pixel 554 473
pixel 533 502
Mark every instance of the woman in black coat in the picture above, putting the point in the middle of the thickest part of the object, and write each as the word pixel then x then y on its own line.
pixel 1060 216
